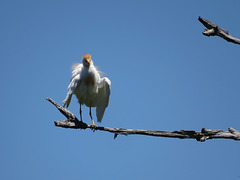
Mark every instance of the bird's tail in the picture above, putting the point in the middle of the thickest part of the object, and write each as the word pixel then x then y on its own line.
pixel 67 100
pixel 99 112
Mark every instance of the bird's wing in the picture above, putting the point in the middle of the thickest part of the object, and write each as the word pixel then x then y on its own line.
pixel 73 84
pixel 76 69
pixel 103 97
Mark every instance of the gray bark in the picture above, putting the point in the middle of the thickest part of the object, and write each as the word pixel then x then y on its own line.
pixel 203 135
pixel 214 30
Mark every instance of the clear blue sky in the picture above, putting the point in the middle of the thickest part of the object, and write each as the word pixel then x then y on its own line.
pixel 165 76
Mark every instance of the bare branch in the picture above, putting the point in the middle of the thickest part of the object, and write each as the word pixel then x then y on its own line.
pixel 205 134
pixel 214 30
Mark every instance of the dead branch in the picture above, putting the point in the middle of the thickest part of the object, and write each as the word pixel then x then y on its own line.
pixel 205 134
pixel 214 30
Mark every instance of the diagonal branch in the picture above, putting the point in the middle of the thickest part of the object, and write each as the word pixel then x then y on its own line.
pixel 205 134
pixel 214 30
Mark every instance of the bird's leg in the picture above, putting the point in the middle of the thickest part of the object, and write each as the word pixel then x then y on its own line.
pixel 81 112
pixel 93 124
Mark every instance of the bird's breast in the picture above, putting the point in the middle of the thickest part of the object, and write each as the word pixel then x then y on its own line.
pixel 88 85
pixel 87 88
pixel 89 80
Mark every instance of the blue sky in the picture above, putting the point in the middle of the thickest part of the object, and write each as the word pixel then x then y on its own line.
pixel 165 76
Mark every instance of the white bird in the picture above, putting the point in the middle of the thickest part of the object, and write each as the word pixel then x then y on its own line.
pixel 89 88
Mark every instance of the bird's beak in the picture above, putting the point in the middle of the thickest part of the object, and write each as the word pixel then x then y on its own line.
pixel 88 61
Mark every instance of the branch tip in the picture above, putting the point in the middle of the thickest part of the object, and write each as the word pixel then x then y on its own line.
pixel 115 136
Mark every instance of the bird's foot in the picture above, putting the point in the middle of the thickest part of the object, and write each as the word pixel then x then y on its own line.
pixel 93 126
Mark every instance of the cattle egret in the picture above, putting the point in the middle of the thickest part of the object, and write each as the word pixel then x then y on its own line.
pixel 89 88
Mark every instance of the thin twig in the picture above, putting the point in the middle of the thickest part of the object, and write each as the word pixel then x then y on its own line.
pixel 205 134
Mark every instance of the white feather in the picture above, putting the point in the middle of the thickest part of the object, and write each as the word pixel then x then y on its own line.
pixel 73 84
pixel 103 97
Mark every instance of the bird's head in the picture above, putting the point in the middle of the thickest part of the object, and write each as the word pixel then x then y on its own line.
pixel 87 60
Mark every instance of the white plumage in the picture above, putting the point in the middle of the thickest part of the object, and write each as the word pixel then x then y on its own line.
pixel 89 88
